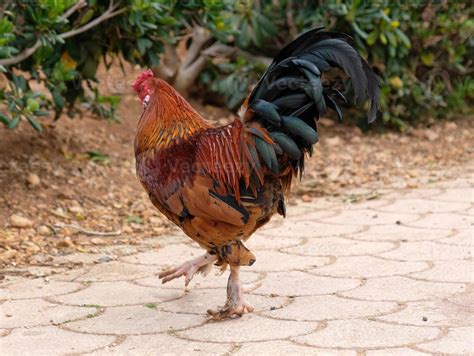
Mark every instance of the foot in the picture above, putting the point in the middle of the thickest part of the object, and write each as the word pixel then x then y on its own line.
pixel 188 269
pixel 235 305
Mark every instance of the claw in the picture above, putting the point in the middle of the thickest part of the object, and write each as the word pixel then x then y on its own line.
pixel 187 269
pixel 234 305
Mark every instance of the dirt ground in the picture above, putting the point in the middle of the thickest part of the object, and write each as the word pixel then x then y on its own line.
pixel 73 188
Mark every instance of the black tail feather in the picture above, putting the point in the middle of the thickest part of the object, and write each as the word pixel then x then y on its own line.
pixel 292 88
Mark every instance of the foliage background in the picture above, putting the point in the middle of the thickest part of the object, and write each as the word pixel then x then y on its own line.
pixel 422 50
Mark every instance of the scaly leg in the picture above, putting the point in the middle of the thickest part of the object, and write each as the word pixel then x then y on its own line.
pixel 235 304
pixel 188 269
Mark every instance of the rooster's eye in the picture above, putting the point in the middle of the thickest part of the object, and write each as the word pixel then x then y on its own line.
pixel 146 100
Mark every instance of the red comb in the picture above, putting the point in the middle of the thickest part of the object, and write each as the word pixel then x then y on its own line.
pixel 141 78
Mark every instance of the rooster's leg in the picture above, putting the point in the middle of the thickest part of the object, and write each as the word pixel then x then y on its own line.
pixel 188 268
pixel 235 304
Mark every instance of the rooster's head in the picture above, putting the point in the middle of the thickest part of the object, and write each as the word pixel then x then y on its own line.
pixel 142 86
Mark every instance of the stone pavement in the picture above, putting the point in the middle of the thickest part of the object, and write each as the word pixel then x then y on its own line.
pixel 393 275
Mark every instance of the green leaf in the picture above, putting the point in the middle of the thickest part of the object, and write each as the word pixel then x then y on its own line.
pixel 36 125
pixel 13 123
pixel 4 119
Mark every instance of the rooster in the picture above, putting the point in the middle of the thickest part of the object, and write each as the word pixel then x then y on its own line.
pixel 220 184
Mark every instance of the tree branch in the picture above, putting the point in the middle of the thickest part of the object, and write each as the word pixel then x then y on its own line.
pixel 111 12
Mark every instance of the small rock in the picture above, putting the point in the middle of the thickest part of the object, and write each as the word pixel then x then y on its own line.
pixel 65 243
pixel 424 318
pixel 20 221
pixel 33 180
pixel 306 198
pixel 333 141
pixel 98 241
pixel 431 135
pixel 76 209
pixel 105 259
pixel 43 230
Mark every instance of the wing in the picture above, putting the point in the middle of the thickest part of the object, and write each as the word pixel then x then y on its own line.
pixel 216 175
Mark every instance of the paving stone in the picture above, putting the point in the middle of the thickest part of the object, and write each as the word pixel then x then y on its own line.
pixel 286 262
pixel 369 217
pixel 443 312
pixel 115 271
pixel 428 251
pixel 423 206
pixel 118 293
pixel 37 288
pixel 200 300
pixel 402 351
pixel 264 242
pixel 250 327
pixel 447 271
pixel 368 204
pixel 303 284
pixel 462 238
pixel 35 312
pixel 368 266
pixel 135 320
pixel 281 347
pixel 338 246
pixel 165 256
pixel 445 221
pixel 367 334
pixel 399 233
pixel 49 340
pixel 330 307
pixel 456 195
pixel 314 215
pixel 459 341
pixel 311 229
pixel 164 345
pixel 420 193
pixel 403 289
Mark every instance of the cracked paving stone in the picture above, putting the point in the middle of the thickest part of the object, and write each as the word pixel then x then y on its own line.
pixel 403 351
pixel 461 271
pixel 213 280
pixel 115 271
pixel 329 307
pixel 250 327
pixel 403 289
pixel 118 293
pixel 398 233
pixel 367 267
pixel 369 217
pixel 462 238
pixel 421 193
pixel 297 283
pixel 50 340
pixel 443 312
pixel 338 246
pixel 282 347
pixel 263 242
pixel 165 256
pixel 286 262
pixel 456 195
pixel 164 345
pixel 311 229
pixel 35 312
pixel 459 341
pixel 367 334
pixel 135 320
pixel 198 301
pixel 38 288
pixel 423 206
pixel 445 221
pixel 428 251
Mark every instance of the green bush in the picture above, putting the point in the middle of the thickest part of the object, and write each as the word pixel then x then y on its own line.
pixel 422 50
